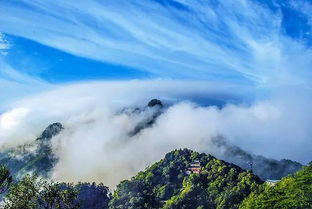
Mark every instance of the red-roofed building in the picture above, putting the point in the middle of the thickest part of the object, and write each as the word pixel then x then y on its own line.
pixel 195 167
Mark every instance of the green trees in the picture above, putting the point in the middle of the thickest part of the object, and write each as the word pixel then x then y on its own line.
pixel 34 193
pixel 31 192
pixel 5 179
pixel 218 186
pixel 166 185
pixel 291 192
pixel 93 196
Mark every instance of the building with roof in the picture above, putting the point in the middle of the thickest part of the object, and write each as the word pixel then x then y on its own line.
pixel 195 167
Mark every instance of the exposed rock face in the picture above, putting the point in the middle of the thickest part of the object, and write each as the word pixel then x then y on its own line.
pixel 155 102
pixel 50 131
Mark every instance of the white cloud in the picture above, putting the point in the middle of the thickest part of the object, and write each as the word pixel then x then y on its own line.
pixel 96 138
pixel 236 45
pixel 13 118
pixel 304 7
pixel 227 40
pixel 69 101
pixel 16 85
pixel 4 45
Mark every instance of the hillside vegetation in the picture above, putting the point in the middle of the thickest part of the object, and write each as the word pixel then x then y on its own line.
pixel 166 185
pixel 294 191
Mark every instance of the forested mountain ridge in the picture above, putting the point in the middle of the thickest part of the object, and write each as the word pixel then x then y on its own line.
pixel 166 184
pixel 293 191
pixel 171 183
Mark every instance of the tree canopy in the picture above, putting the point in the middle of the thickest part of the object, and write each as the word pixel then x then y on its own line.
pixel 166 184
pixel 294 191
pixel 5 179
pixel 32 192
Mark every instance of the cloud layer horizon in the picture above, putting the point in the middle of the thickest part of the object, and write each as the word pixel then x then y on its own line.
pixel 241 69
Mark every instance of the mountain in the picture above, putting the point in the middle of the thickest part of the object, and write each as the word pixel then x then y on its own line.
pixel 168 184
pixel 52 130
pixel 36 156
pixel 151 111
pixel 183 179
pixel 294 191
pixel 186 179
pixel 263 167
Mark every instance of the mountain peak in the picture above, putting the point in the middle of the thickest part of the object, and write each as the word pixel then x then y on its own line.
pixel 52 130
pixel 155 102
pixel 167 184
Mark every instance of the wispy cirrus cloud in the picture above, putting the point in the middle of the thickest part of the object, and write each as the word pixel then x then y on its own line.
pixel 217 40
pixel 16 85
pixel 4 45
pixel 237 48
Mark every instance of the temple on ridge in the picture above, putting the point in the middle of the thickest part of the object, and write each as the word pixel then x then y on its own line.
pixel 195 167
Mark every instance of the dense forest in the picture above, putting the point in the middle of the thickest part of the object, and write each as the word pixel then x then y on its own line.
pixel 165 184
pixel 294 191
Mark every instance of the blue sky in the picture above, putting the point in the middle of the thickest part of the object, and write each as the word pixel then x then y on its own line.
pixel 73 60
pixel 57 66
pixel 47 43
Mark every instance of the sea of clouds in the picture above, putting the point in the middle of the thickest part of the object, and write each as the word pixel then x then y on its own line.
pixel 96 145
pixel 235 52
